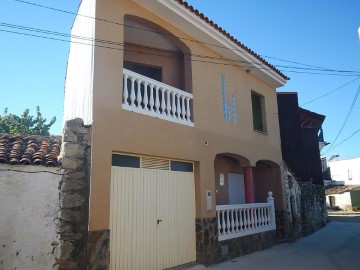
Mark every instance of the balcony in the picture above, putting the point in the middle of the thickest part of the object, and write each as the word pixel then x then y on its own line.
pixel 245 219
pixel 150 97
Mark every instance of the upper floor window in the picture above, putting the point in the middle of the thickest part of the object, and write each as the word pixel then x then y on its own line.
pixel 258 109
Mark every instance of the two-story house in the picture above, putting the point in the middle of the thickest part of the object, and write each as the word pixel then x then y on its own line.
pixel 185 134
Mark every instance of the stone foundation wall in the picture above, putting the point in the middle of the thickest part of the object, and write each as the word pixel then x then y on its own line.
pixel 313 207
pixel 211 251
pixel 207 245
pixel 98 250
pixel 72 227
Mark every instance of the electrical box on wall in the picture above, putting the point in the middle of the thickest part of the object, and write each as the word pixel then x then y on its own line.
pixel 208 200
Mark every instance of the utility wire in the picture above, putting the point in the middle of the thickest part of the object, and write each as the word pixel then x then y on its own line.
pixel 21 27
pixel 328 93
pixel 346 119
pixel 348 138
pixel 183 38
pixel 47 32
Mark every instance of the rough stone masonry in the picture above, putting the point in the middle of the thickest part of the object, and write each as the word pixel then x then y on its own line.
pixel 72 223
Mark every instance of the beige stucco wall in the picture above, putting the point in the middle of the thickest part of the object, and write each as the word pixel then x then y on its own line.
pixel 115 129
pixel 28 210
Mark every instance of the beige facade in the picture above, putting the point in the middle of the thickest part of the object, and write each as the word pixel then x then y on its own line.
pixel 119 130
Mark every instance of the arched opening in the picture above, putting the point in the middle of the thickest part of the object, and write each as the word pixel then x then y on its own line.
pixel 154 52
pixel 230 182
pixel 267 177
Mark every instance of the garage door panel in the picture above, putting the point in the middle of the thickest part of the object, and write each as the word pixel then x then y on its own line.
pixel 141 197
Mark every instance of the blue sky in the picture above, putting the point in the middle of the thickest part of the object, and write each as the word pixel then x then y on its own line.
pixel 318 33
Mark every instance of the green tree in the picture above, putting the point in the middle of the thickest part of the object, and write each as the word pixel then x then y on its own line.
pixel 26 123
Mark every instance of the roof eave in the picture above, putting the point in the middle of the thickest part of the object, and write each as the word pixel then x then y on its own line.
pixel 194 26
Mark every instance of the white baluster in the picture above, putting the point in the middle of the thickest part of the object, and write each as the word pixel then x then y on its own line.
pixel 188 112
pixel 157 101
pixel 232 221
pixel 132 93
pixel 183 108
pixel 146 100
pixel 241 219
pixel 223 222
pixel 266 218
pixel 151 101
pixel 163 106
pixel 251 220
pixel 173 107
pixel 228 225
pixel 139 98
pixel 168 102
pixel 245 220
pixel 126 90
pixel 236 220
pixel 261 217
pixel 218 222
pixel 255 217
pixel 178 108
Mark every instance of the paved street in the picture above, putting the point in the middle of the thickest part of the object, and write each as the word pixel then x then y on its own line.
pixel 334 247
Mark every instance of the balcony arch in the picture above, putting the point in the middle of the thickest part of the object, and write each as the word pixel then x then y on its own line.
pixel 150 49
pixel 267 176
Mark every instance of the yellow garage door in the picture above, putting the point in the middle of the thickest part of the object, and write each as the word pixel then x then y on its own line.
pixel 152 219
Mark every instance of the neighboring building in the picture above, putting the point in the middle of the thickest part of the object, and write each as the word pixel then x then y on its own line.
pixel 301 140
pixel 174 136
pixel 343 197
pixel 346 171
pixel 299 129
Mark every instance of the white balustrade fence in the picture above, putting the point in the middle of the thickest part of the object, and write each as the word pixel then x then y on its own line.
pixel 245 219
pixel 147 96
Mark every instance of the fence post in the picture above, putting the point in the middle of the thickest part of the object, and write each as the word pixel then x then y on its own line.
pixel 270 200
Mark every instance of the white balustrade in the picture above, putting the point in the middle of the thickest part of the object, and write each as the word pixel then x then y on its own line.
pixel 244 219
pixel 147 96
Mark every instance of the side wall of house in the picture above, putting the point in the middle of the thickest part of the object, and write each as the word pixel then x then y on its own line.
pixel 28 212
pixel 79 74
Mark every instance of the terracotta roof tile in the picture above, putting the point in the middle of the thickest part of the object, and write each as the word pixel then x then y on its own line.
pixel 241 45
pixel 29 150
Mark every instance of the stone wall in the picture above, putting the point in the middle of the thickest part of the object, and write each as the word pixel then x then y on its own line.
pixel 313 207
pixel 70 251
pixel 207 246
pixel 98 250
pixel 292 216
pixel 211 251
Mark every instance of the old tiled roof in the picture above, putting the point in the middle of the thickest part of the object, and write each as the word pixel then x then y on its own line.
pixel 241 45
pixel 29 149
pixel 331 190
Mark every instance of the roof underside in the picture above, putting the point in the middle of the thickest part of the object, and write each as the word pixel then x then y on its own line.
pixel 196 24
pixel 309 119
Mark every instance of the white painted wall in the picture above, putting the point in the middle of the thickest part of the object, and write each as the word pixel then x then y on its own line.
pixel 347 170
pixel 29 205
pixel 342 200
pixel 79 74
